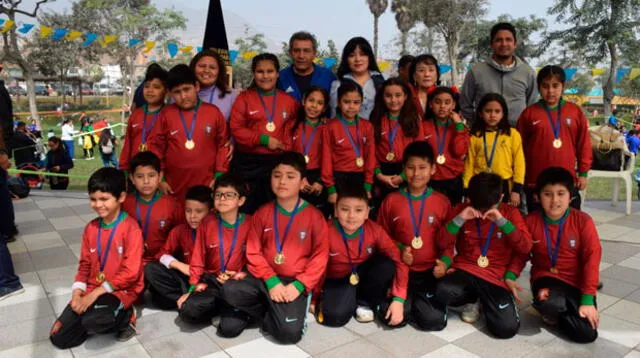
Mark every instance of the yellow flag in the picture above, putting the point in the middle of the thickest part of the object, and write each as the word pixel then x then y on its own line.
pixel 45 31
pixel 186 49
pixel 149 45
pixel 598 71
pixel 316 60
pixel 7 26
pixel 249 55
pixel 73 35
pixel 107 40
pixel 384 65
pixel 635 72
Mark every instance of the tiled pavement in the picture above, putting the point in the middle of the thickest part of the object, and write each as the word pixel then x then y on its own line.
pixel 45 257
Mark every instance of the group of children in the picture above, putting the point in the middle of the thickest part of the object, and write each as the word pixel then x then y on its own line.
pixel 400 243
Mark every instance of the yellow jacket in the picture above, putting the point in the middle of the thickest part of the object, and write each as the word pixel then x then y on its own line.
pixel 508 160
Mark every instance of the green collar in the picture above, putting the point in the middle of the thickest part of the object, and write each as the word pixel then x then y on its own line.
pixel 556 222
pixel 146 109
pixel 560 104
pixel 317 123
pixel 392 117
pixel 195 108
pixel 155 198
pixel 239 220
pixel 440 124
pixel 263 93
pixel 426 194
pixel 346 121
pixel 352 236
pixel 287 213
pixel 121 217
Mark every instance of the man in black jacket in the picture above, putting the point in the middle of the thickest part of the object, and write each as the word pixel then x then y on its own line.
pixel 6 113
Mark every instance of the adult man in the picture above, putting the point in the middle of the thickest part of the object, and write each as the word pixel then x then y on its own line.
pixel 23 146
pixel 303 73
pixel 503 73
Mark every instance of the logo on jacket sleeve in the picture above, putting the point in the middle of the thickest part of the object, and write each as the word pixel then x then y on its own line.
pixel 208 129
pixel 431 219
pixel 569 121
pixel 303 235
pixel 370 250
pixel 285 114
pixel 163 223
pixel 290 89
pixel 499 234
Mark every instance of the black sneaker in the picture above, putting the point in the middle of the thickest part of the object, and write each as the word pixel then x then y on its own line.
pixel 6 292
pixel 600 285
pixel 127 333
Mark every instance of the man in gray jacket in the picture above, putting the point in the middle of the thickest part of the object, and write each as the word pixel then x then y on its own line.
pixel 503 73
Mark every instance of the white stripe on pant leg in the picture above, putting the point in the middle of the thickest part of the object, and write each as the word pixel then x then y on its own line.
pixel 304 326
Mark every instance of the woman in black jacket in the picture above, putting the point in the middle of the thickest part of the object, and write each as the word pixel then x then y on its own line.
pixel 58 161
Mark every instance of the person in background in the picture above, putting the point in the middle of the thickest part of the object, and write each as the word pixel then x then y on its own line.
pixel 107 146
pixel 58 161
pixel 67 137
pixel 403 67
pixel 87 138
pixel 6 114
pixel 633 142
pixel 23 146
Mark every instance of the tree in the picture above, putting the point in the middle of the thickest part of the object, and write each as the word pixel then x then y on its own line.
pixel 451 18
pixel 601 28
pixel 12 50
pixel 242 75
pixel 377 8
pixel 405 20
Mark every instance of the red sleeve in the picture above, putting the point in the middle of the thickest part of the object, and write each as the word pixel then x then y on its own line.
pixel 401 278
pixel 317 291
pixel 583 145
pixel 460 143
pixel 287 139
pixel 196 265
pixel 523 128
pixel 383 215
pixel 519 239
pixel 84 265
pixel 317 263
pixel 449 233
pixel 177 214
pixel 131 266
pixel 158 138
pixel 172 243
pixel 256 262
pixel 125 154
pixel 327 157
pixel 590 254
pixel 370 153
pixel 239 125
pixel 222 137
pixel 519 260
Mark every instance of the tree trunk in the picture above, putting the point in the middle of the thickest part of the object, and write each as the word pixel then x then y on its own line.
pixel 607 89
pixel 452 52
pixel 64 92
pixel 31 93
pixel 375 36
pixel 403 42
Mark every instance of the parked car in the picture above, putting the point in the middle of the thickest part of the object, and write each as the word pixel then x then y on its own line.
pixel 41 90
pixel 86 90
pixel 16 90
pixel 100 88
pixel 68 90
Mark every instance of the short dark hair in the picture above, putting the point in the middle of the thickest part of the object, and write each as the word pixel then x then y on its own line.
pixel 144 159
pixel 427 59
pixel 503 26
pixel 405 60
pixel 200 193
pixel 155 71
pixel 485 190
pixel 229 180
pixel 303 36
pixel 551 71
pixel 107 180
pixel 293 159
pixel 352 191
pixel 21 124
pixel 418 149
pixel 555 176
pixel 180 75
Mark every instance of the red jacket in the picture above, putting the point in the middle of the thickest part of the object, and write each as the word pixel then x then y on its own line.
pixel 185 168
pixel 293 142
pixel 400 142
pixel 179 245
pixel 456 145
pixel 507 243
pixel 395 218
pixel 249 120
pixel 537 140
pixel 579 255
pixel 123 268
pixel 206 253
pixel 138 120
pixel 339 156
pixel 165 215
pixel 306 247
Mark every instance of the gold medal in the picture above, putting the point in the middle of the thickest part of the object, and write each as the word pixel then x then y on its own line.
pixel 483 261
pixel 489 170
pixel 441 159
pixel 142 147
pixel 359 162
pixel 224 276
pixel 190 144
pixel 306 159
pixel 279 258
pixel 100 277
pixel 271 126
pixel 354 279
pixel 557 143
pixel 390 157
pixel 554 270
pixel 416 243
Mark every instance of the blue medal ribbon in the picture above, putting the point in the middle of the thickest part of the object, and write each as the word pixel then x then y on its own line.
pixel 273 107
pixel 103 260
pixel 145 129
pixel 145 225
pixel 346 246
pixel 223 263
pixel 553 253
pixel 189 133
pixel 356 148
pixel 392 134
pixel 307 146
pixel 485 246
pixel 280 243
pixel 444 138
pixel 213 91
pixel 489 159
pixel 555 125
pixel 418 225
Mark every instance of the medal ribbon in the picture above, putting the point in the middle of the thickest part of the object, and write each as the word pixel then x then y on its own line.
pixel 553 253
pixel 273 107
pixel 307 146
pixel 223 264
pixel 416 227
pixel 356 148
pixel 346 245
pixel 101 260
pixel 489 159
pixel 189 133
pixel 392 134
pixel 555 125
pixel 485 246
pixel 280 244
pixel 145 225
pixel 444 138
pixel 145 129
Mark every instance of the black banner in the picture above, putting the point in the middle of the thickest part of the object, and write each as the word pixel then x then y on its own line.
pixel 215 34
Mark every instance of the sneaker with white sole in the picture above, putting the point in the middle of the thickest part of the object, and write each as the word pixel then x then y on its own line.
pixel 364 314
pixel 471 312
pixel 6 292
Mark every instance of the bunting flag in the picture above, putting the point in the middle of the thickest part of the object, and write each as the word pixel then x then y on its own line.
pixel 329 62
pixel 569 73
pixel 7 26
pixel 316 60
pixel 45 31
pixel 444 69
pixel 148 46
pixel 107 40
pixel 598 71
pixel 173 49
pixel 198 49
pixel 134 42
pixel 2 21
pixel 233 54
pixel 384 65
pixel 89 38
pixel 249 55
pixel 635 72
pixel 25 28
pixel 186 49
pixel 73 35
pixel 58 34
pixel 621 73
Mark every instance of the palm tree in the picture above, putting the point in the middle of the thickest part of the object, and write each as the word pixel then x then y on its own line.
pixel 377 8
pixel 405 19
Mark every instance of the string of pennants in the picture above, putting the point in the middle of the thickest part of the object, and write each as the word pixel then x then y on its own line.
pixel 173 49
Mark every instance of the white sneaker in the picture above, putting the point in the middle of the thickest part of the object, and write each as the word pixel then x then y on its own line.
pixel 470 312
pixel 364 314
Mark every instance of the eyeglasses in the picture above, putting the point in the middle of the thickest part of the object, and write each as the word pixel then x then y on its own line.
pixel 228 195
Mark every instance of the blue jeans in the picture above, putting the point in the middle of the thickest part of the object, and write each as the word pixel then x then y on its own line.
pixel 69 148
pixel 8 278
pixel 108 159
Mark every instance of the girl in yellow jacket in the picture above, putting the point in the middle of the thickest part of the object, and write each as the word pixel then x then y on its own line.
pixel 496 147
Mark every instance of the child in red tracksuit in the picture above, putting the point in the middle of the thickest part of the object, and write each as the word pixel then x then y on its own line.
pixel 142 122
pixel 304 135
pixel 489 239
pixel 364 264
pixel 155 213
pixel 257 123
pixel 565 259
pixel 192 137
pixel 287 253
pixel 414 218
pixel 168 276
pixel 218 256
pixel 349 154
pixel 109 277
pixel 555 133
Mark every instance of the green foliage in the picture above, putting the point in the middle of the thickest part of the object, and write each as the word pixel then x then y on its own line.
pixel 405 20
pixel 242 68
pixel 377 8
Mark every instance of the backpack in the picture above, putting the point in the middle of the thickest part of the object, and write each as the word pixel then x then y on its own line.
pixel 107 148
pixel 608 147
pixel 18 187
